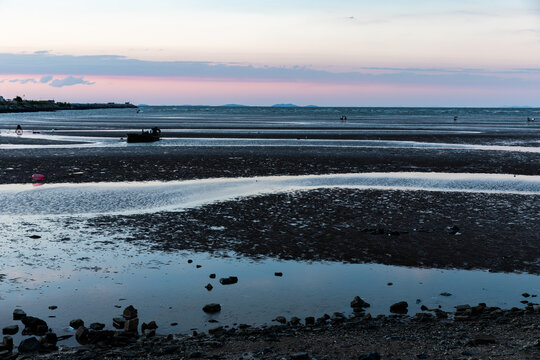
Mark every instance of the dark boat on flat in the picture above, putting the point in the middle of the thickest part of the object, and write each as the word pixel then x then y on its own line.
pixel 145 136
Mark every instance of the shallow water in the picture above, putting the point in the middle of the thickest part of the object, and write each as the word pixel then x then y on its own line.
pixel 144 197
pixel 86 272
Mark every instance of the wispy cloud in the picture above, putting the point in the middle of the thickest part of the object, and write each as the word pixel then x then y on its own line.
pixel 70 81
pixel 45 79
pixel 23 81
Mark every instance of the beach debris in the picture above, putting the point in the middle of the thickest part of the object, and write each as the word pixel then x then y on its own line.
pixel 212 308
pixel 38 177
pixel 228 280
pixel 10 330
pixel 399 307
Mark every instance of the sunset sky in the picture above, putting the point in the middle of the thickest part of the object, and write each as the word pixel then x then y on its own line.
pixel 341 52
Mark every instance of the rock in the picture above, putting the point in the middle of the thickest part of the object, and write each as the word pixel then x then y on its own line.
pixel 97 326
pixel 359 303
pixel 34 326
pixel 77 323
pixel 294 321
pixel 389 284
pixel 174 324
pixel 370 356
pixel 300 356
pixel 424 308
pixel 198 266
pixel 53 307
pixel 452 230
pixel 119 322
pixel 278 274
pixel 422 356
pixel 525 295
pixel 132 325
pixel 441 314
pixel 212 276
pixel 10 330
pixel 445 294
pixel 29 345
pixel 190 261
pixel 130 313
pixel 82 335
pixel 212 308
pixel 399 307
pixel 149 333
pixel 216 331
pixel 482 340
pixel 18 314
pixel 310 321
pixel 461 308
pixel 35 237
pixel 49 338
pixel 423 317
pixel 229 280
pixel 209 287
pixel 281 320
pixel 152 325
pixel 7 344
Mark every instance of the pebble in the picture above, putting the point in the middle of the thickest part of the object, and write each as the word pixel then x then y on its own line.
pixel 229 280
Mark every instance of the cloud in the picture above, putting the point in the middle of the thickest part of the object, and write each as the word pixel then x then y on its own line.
pixel 45 79
pixel 70 81
pixel 110 65
pixel 41 52
pixel 23 81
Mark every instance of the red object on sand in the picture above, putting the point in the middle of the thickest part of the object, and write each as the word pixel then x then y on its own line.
pixel 38 177
pixel 37 184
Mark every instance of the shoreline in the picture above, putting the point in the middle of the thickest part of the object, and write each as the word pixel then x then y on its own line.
pixel 26 106
pixel 477 331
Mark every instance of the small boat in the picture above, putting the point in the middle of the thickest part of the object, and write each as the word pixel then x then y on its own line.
pixel 145 136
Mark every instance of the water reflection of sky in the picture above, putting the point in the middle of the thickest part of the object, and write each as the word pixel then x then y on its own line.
pixel 146 197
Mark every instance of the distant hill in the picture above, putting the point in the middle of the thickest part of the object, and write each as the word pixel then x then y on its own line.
pixel 286 105
pixel 234 105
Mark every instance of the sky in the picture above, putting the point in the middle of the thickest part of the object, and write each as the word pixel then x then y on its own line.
pixel 307 52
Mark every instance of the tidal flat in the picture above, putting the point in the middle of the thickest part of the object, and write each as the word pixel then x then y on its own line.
pixel 449 218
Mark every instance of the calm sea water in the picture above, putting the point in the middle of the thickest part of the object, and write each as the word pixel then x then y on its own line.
pixel 238 117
